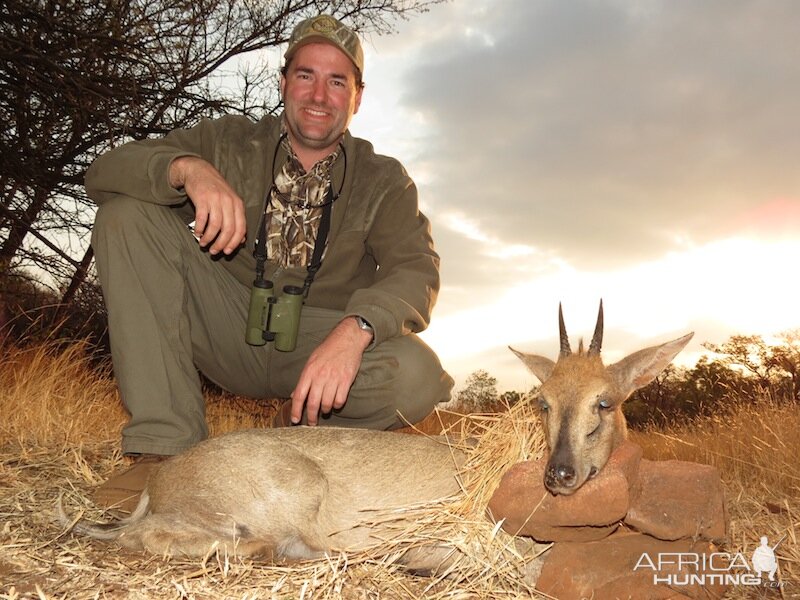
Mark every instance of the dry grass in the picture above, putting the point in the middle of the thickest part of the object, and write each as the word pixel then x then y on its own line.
pixel 757 450
pixel 59 432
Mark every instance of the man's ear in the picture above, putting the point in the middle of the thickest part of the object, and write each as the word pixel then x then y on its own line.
pixel 357 101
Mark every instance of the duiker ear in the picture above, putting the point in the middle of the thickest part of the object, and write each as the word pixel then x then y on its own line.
pixel 539 365
pixel 640 368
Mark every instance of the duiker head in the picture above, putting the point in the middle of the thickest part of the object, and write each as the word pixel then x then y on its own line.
pixel 581 402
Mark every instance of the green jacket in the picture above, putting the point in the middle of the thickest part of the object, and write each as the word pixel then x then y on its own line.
pixel 380 261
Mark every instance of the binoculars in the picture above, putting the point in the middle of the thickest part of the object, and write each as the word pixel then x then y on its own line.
pixel 274 318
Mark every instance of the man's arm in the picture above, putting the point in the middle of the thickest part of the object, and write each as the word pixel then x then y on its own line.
pixel 397 303
pixel 407 283
pixel 330 372
pixel 168 171
pixel 219 211
pixel 140 169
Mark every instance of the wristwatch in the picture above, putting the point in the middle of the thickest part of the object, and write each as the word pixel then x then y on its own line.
pixel 364 325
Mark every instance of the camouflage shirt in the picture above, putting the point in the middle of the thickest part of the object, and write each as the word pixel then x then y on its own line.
pixel 294 210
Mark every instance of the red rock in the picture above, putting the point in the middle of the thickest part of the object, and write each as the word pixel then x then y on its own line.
pixel 675 499
pixel 626 457
pixel 593 512
pixel 616 568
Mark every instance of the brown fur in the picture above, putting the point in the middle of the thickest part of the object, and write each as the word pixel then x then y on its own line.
pixel 291 493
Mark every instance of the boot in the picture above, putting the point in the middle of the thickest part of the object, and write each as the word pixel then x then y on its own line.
pixel 283 416
pixel 122 491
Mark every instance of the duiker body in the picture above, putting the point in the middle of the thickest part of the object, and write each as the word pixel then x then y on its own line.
pixel 301 492
pixel 291 493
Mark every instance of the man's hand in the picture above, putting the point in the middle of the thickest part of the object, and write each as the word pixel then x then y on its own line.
pixel 330 371
pixel 219 212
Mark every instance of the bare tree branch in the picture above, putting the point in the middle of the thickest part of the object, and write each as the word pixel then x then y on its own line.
pixel 81 76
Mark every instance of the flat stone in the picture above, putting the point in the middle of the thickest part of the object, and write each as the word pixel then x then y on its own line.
pixel 626 457
pixel 675 499
pixel 624 565
pixel 529 509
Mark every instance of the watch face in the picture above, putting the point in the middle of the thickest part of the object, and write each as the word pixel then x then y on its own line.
pixel 363 324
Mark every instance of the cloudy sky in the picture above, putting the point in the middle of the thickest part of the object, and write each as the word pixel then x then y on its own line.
pixel 643 152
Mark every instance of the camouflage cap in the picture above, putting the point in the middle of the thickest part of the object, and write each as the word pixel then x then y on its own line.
pixel 325 28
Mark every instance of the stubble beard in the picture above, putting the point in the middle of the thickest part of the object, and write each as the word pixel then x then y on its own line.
pixel 312 136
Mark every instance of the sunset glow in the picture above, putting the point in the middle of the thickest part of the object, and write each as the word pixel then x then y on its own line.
pixel 567 152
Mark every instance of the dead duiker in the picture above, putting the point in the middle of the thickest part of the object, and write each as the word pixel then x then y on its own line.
pixel 581 402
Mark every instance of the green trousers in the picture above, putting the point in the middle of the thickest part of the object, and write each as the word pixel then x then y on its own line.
pixel 174 309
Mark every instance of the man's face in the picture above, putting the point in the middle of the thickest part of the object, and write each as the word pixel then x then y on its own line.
pixel 320 97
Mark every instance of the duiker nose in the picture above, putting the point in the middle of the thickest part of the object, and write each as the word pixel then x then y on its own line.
pixel 565 475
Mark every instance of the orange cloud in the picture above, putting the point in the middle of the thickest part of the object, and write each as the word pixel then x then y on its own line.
pixel 780 216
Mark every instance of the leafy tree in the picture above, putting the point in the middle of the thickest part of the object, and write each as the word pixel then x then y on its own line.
pixel 748 352
pixel 510 398
pixel 774 367
pixel 786 358
pixel 480 392
pixel 711 386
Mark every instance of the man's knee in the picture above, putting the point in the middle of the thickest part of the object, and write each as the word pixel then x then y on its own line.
pixel 127 225
pixel 123 214
pixel 422 383
pixel 412 382
pixel 113 215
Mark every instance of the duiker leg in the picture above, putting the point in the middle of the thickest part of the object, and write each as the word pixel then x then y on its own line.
pixel 170 534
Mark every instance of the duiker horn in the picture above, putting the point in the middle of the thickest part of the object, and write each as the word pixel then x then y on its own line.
pixel 597 338
pixel 562 329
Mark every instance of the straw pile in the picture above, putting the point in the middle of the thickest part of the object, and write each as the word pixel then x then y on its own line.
pixel 59 430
